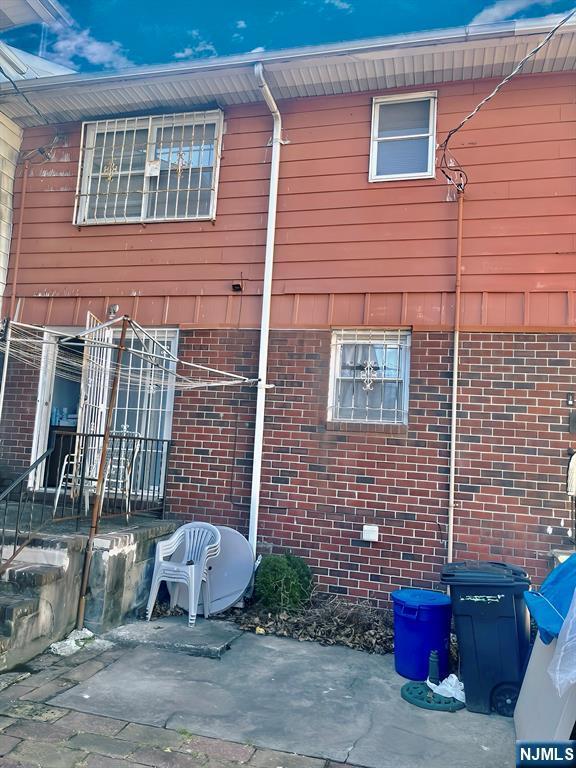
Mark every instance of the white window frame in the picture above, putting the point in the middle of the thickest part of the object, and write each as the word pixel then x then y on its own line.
pixel 400 336
pixel 430 173
pixel 150 123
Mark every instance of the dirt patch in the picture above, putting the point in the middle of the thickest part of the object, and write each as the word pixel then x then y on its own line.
pixel 327 621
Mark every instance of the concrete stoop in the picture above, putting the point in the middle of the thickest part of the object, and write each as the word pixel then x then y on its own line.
pixel 38 597
pixel 39 592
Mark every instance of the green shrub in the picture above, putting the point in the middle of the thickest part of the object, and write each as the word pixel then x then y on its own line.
pixel 283 583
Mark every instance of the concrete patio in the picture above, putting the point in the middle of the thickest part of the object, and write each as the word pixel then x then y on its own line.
pixel 323 704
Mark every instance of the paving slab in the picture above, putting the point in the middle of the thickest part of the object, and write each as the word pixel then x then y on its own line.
pixel 83 671
pixel 100 761
pixel 329 703
pixel 48 690
pixel 151 736
pixel 9 678
pixel 7 743
pixel 41 755
pixel 30 710
pixel 83 723
pixel 265 758
pixel 158 758
pixel 207 638
pixel 102 745
pixel 52 733
pixel 219 750
pixel 6 722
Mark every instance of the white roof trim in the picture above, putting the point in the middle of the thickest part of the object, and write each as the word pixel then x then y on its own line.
pixel 20 13
pixel 424 58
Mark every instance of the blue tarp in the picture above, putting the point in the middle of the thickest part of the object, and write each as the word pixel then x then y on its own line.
pixel 549 606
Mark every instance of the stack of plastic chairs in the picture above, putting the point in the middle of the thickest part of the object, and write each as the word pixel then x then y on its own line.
pixel 195 544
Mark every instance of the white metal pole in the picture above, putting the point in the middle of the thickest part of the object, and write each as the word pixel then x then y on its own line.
pixel 5 367
pixel 266 303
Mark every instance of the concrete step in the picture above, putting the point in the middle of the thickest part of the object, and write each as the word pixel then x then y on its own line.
pixel 209 638
pixel 15 607
pixel 26 576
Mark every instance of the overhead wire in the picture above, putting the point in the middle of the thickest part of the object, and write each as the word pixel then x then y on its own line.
pixel 23 96
pixel 448 165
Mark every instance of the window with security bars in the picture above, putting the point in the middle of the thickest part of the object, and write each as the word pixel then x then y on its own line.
pixel 403 137
pixel 160 168
pixel 369 378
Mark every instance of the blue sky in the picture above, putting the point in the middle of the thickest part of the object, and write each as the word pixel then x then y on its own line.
pixel 110 34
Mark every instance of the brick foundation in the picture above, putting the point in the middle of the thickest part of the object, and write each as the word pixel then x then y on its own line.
pixel 322 483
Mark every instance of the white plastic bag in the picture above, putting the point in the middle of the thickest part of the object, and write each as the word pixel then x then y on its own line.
pixel 562 668
pixel 450 687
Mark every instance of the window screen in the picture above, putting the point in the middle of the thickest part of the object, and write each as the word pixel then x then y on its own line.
pixel 402 138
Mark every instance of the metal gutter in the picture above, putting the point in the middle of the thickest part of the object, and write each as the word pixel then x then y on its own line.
pixel 286 56
pixel 266 304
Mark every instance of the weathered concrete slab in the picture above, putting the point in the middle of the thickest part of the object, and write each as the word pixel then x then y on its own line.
pixel 208 638
pixel 331 703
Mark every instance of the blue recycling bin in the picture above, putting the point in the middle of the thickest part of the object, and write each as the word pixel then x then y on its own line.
pixel 421 624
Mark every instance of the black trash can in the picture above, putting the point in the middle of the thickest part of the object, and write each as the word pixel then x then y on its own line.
pixel 493 631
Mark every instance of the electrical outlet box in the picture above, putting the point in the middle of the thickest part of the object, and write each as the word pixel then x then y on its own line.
pixel 370 533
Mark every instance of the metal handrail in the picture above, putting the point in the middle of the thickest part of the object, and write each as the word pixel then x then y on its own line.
pixel 27 472
pixel 25 512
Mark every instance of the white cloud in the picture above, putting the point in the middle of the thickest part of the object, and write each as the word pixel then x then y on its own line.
pixel 74 45
pixel 504 9
pixel 198 48
pixel 241 24
pixel 342 5
pixel 258 49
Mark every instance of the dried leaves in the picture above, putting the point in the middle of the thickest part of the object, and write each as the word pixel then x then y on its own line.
pixel 328 622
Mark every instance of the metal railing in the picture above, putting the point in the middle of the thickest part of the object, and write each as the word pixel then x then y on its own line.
pixel 19 515
pixel 135 474
pixel 66 473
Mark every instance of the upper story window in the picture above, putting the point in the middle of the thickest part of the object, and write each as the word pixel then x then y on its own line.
pixel 403 137
pixel 369 376
pixel 149 168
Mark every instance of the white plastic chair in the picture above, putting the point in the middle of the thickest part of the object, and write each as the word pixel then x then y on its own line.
pixel 198 543
pixel 69 479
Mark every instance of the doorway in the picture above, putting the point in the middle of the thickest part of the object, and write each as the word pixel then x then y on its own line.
pixel 71 404
pixel 63 420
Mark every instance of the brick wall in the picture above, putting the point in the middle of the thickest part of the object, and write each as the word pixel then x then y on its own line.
pixel 17 420
pixel 321 484
pixel 213 432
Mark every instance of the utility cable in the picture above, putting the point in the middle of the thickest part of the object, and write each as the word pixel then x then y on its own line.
pixel 448 164
pixel 23 95
pixel 509 77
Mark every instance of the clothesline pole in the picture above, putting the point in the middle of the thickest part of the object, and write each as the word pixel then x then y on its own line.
pixel 99 493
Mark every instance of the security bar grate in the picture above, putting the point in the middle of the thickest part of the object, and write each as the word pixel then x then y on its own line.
pixel 161 168
pixel 369 380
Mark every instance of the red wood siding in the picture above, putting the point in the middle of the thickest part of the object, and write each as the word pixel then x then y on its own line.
pixel 348 252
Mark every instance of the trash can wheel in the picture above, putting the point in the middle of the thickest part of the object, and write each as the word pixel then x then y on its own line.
pixel 504 698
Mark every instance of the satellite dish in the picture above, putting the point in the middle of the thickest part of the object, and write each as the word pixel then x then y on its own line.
pixel 230 573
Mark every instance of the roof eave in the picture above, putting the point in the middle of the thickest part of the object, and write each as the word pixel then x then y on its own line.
pixel 371 45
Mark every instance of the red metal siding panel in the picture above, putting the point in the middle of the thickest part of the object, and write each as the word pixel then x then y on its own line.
pixel 348 252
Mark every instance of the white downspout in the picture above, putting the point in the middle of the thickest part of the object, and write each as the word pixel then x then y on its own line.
pixel 266 302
